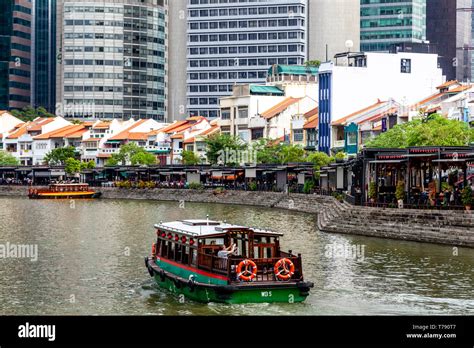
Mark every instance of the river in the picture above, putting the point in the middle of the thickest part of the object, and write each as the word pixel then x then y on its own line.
pixel 90 262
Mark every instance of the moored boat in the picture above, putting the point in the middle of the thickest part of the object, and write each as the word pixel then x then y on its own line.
pixel 64 191
pixel 194 258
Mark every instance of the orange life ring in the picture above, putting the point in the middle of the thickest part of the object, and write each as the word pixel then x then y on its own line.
pixel 284 269
pixel 153 250
pixel 35 192
pixel 246 274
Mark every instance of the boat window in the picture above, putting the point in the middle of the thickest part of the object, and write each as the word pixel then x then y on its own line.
pixel 194 258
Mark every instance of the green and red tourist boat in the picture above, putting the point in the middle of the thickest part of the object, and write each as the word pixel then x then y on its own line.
pixel 187 259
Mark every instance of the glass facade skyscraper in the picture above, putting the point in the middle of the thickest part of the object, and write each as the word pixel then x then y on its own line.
pixel 236 42
pixel 113 59
pixel 44 65
pixel 15 53
pixel 387 22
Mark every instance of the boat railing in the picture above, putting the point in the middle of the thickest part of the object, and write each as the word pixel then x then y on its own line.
pixel 176 230
pixel 265 266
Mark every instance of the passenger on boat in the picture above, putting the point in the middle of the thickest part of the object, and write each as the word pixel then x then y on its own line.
pixel 225 252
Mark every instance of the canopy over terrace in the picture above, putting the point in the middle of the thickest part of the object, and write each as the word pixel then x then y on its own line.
pixel 422 170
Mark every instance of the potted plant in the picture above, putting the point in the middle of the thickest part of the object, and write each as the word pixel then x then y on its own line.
pixel 400 193
pixel 340 157
pixel 466 198
pixel 372 192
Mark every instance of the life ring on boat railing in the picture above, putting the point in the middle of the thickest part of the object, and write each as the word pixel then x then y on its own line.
pixel 35 192
pixel 153 250
pixel 284 269
pixel 243 271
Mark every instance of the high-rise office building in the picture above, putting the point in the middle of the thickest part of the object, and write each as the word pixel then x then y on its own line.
pixel 233 42
pixel 112 58
pixel 43 88
pixel 332 24
pixel 387 22
pixel 449 26
pixel 15 53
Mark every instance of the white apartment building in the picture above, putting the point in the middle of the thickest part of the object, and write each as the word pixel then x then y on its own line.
pixel 234 42
pixel 352 81
pixel 267 111
pixel 20 142
pixel 112 59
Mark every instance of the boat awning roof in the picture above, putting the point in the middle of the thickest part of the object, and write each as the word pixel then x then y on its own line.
pixel 388 161
pixel 203 228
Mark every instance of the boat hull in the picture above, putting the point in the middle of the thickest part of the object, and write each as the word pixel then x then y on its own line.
pixel 66 195
pixel 276 292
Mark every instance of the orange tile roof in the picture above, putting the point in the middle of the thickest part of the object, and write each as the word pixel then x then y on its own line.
pixel 459 89
pixel 138 136
pixel 18 132
pixel 189 141
pixel 447 84
pixel 379 115
pixel 341 121
pixel 313 122
pixel 183 127
pixel 102 125
pixel 72 131
pixel 430 98
pixel 311 113
pixel 1 136
pixel 279 108
pixel 125 134
pixel 168 129
pixel 177 136
pixel 211 130
pixel 36 125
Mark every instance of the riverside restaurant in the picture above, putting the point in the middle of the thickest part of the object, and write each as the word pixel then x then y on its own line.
pixel 260 177
pixel 422 176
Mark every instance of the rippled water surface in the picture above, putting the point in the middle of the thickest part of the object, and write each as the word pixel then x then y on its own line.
pixel 90 261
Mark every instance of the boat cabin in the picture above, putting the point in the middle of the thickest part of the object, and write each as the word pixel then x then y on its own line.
pixel 196 244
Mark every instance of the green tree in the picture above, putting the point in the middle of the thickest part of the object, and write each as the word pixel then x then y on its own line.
pixel 313 63
pixel 269 152
pixel 217 144
pixel 28 113
pixel 74 166
pixel 60 155
pixel 131 153
pixel 319 159
pixel 434 130
pixel 7 160
pixel 190 158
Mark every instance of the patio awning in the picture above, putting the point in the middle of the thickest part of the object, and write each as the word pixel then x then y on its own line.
pixel 388 161
pixel 452 160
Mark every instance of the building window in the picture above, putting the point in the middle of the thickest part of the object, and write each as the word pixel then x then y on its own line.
pixel 297 135
pixel 406 66
pixel 351 138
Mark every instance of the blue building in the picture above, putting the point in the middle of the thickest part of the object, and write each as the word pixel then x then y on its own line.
pixel 44 65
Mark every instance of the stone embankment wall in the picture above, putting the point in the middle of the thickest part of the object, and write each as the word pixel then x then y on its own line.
pixel 431 226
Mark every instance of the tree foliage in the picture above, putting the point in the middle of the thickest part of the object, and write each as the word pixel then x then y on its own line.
pixel 133 154
pixel 219 143
pixel 272 153
pixel 60 155
pixel 74 166
pixel 434 130
pixel 190 158
pixel 29 113
pixel 313 63
pixel 7 160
